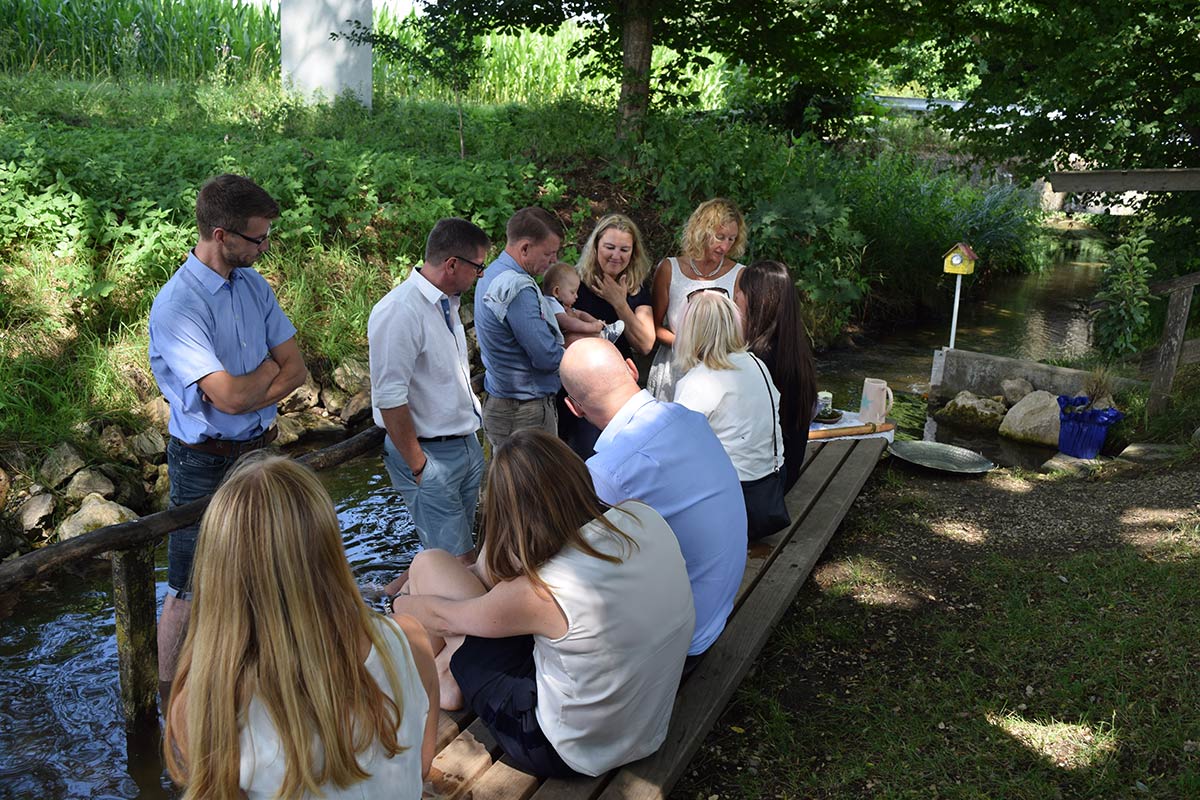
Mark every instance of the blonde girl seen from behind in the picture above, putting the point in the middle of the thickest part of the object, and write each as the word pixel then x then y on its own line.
pixel 288 685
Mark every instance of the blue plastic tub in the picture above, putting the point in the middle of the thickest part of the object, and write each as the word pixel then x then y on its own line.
pixel 1081 433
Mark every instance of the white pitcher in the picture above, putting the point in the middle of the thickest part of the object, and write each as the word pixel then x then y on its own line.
pixel 876 401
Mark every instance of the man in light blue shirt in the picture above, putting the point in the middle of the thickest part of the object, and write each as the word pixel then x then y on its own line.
pixel 516 341
pixel 223 353
pixel 668 457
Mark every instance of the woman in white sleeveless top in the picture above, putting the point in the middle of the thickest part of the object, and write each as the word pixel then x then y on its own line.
pixel 569 634
pixel 713 240
pixel 287 684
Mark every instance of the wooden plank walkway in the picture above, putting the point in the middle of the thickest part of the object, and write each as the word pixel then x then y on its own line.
pixel 468 764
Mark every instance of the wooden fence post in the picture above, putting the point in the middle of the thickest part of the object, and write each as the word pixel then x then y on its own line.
pixel 137 639
pixel 1168 352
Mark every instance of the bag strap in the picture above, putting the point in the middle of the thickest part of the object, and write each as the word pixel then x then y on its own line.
pixel 774 441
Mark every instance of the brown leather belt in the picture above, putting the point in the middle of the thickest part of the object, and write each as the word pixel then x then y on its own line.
pixel 229 448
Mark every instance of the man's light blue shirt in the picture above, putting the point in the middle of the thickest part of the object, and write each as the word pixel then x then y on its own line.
pixel 201 323
pixel 668 457
pixel 520 353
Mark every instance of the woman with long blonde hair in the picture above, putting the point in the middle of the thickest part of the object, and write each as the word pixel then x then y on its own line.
pixel 568 636
pixel 287 684
pixel 713 240
pixel 733 389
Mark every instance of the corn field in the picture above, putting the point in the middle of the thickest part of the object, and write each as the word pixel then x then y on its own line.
pixel 188 40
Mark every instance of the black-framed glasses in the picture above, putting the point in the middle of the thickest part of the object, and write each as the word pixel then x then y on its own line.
pixel 702 289
pixel 478 267
pixel 254 240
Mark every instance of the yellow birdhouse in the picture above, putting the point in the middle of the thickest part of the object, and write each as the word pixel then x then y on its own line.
pixel 960 260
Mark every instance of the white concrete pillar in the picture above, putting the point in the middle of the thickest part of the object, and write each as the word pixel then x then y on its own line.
pixel 312 63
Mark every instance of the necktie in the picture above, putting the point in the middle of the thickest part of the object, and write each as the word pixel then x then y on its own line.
pixel 446 313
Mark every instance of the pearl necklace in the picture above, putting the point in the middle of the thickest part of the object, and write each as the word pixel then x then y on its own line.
pixel 706 276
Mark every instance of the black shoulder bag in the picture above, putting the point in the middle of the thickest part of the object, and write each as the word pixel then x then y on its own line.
pixel 766 511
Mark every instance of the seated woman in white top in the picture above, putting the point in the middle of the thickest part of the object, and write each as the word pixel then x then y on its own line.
pixel 568 635
pixel 733 388
pixel 287 684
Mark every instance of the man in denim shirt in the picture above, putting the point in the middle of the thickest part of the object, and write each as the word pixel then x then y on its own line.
pixel 223 353
pixel 516 342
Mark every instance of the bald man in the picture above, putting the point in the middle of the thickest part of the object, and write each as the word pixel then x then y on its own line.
pixel 668 457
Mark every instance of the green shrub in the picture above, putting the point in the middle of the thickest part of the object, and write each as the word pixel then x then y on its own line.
pixel 1123 322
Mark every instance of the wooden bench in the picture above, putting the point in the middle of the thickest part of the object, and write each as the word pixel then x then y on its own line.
pixel 469 763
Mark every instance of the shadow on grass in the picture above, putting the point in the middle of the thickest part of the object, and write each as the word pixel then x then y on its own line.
pixel 917 664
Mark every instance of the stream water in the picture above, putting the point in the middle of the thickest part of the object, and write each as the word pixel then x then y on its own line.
pixel 61 730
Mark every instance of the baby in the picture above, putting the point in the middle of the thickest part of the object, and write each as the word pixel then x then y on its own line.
pixel 561 288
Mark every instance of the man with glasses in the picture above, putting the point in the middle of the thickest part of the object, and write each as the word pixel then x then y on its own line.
pixel 421 390
pixel 519 350
pixel 223 353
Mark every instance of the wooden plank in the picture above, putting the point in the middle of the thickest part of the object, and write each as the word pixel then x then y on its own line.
pixel 573 788
pixel 1175 284
pixel 1189 353
pixel 704 696
pixel 450 724
pixel 462 761
pixel 1126 180
pixel 137 650
pixel 504 782
pixel 1168 351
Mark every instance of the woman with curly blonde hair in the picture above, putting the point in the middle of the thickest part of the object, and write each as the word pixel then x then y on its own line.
pixel 287 684
pixel 713 239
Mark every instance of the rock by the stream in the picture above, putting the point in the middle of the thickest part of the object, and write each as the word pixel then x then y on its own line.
pixel 357 408
pixel 1014 389
pixel 34 511
pixel 1151 453
pixel 158 411
pixel 1081 467
pixel 294 427
pixel 116 446
pixel 971 411
pixel 1033 419
pixel 149 445
pixel 160 498
pixel 130 490
pixel 351 376
pixel 334 399
pixel 96 512
pixel 1196 437
pixel 304 396
pixel 5 483
pixel 62 462
pixel 89 481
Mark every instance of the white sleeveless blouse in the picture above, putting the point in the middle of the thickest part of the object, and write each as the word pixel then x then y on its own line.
pixel 395 778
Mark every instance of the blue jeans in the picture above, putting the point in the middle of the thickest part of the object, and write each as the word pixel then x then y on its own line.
pixel 193 475
pixel 443 503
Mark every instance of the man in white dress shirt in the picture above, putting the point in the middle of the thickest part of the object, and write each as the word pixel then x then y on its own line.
pixel 421 389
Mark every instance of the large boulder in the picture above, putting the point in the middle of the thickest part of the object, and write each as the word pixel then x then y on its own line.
pixel 62 462
pixel 303 397
pixel 1014 389
pixel 89 481
pixel 967 410
pixel 95 512
pixel 1033 419
pixel 294 427
pixel 35 511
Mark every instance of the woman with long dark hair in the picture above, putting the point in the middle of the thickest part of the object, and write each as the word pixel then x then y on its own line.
pixel 568 636
pixel 774 331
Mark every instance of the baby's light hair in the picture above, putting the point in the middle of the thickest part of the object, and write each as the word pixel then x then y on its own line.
pixel 557 276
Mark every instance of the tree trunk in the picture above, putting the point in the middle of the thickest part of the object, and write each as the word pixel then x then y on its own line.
pixel 637 45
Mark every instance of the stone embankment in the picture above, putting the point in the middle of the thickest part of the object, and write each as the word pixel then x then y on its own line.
pixel 110 474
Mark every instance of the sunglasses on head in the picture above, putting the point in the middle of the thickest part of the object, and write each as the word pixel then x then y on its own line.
pixel 717 289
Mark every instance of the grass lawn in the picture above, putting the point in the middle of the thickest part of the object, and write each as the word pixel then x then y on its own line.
pixel 1012 637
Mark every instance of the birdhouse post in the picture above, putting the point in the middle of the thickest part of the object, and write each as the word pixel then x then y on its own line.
pixel 959 261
